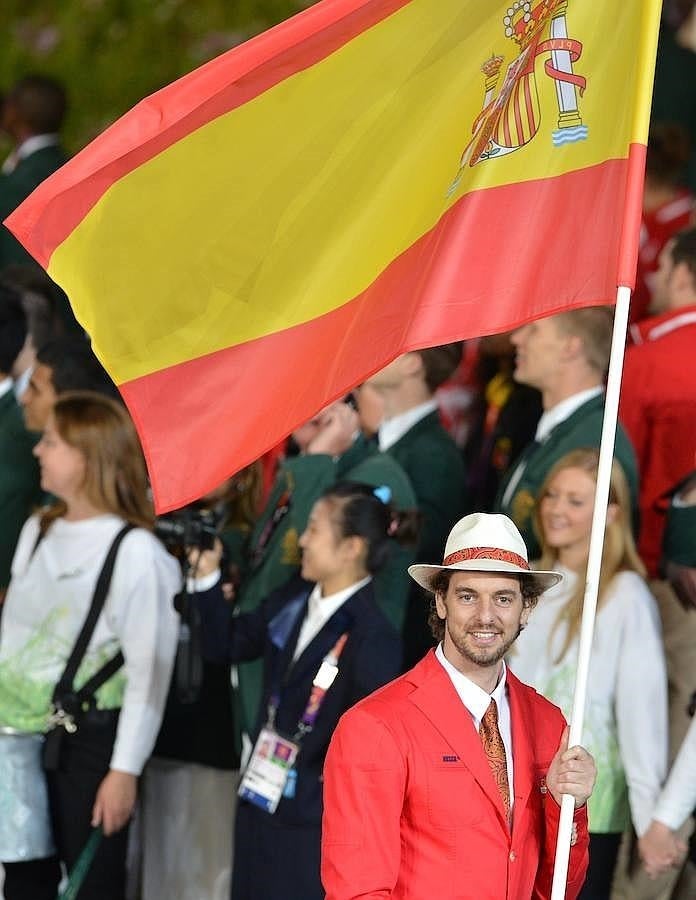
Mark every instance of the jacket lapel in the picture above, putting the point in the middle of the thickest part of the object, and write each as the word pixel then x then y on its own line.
pixel 427 423
pixel 286 632
pixel 7 401
pixel 522 744
pixel 438 700
pixel 567 425
pixel 312 655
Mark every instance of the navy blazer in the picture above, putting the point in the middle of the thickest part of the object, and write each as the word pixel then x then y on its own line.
pixel 371 657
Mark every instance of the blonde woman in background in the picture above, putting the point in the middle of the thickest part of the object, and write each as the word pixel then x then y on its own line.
pixel 626 714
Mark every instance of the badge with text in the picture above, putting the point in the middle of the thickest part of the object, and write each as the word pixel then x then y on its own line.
pixel 265 776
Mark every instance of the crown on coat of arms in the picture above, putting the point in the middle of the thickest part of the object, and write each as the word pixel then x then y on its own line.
pixel 523 18
pixel 491 66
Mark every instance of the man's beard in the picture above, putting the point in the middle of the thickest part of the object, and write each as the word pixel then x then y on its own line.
pixel 482 656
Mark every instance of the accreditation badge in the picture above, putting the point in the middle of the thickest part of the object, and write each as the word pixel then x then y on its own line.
pixel 266 775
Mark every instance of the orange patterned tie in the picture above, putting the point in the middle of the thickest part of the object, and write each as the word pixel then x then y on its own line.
pixel 494 749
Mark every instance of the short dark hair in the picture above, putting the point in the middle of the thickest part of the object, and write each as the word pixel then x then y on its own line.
pixel 40 101
pixel 669 149
pixel 13 327
pixel 440 363
pixel 31 279
pixel 683 250
pixel 74 367
pixel 38 305
pixel 440 585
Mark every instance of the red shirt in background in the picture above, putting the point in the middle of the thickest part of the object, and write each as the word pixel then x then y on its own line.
pixel 658 226
pixel 658 410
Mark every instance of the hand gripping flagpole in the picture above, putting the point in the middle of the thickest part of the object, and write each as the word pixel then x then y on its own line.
pixel 589 611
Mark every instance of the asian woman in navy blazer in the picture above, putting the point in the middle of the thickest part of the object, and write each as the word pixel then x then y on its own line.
pixel 346 540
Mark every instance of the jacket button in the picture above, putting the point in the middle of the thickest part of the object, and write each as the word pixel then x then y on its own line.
pixel 512 856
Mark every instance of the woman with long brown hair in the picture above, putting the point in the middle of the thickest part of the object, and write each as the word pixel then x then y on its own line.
pixel 626 715
pixel 97 691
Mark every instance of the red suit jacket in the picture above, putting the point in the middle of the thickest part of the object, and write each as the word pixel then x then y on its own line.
pixel 411 810
pixel 658 410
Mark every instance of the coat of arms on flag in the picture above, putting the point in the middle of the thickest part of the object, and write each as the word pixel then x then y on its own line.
pixel 250 242
pixel 511 115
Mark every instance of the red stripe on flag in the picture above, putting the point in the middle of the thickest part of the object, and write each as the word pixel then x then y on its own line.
pixel 633 213
pixel 507 137
pixel 531 118
pixel 519 127
pixel 166 117
pixel 460 280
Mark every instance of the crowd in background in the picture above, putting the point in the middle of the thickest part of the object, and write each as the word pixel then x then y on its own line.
pixel 504 423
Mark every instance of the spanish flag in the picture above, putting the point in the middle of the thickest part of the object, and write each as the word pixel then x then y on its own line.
pixel 367 178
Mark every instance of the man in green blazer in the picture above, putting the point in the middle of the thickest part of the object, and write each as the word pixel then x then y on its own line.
pixel 32 115
pixel 332 449
pixel 19 473
pixel 411 434
pixel 566 357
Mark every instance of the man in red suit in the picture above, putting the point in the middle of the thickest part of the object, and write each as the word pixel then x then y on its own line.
pixel 658 391
pixel 447 782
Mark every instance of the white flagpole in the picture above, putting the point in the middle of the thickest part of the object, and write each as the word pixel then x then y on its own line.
pixel 606 455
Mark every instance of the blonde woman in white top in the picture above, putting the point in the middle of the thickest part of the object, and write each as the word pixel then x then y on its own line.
pixel 626 715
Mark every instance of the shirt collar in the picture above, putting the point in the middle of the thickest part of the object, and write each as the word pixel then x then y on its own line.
pixel 655 327
pixel 322 608
pixel 26 148
pixel 34 143
pixel 5 386
pixel 562 411
pixel 472 696
pixel 21 382
pixel 392 430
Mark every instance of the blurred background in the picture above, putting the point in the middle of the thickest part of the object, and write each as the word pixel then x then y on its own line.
pixel 112 53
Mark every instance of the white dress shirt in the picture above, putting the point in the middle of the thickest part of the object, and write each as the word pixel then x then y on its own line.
pixel 548 421
pixel 5 386
pixel 319 611
pixel 392 430
pixel 477 701
pixel 562 411
pixel 21 382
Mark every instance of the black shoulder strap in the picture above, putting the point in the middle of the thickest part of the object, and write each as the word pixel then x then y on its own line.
pixel 100 677
pixel 65 684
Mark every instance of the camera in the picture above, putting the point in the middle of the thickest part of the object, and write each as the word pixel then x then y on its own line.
pixel 180 531
pixel 189 527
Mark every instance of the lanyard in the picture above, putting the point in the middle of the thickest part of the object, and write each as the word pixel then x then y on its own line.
pixel 282 508
pixel 325 677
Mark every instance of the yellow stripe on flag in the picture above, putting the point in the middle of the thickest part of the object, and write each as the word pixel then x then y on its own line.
pixel 376 130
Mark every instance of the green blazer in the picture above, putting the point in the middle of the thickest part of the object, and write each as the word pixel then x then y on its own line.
pixel 20 490
pixel 582 429
pixel 275 553
pixel 435 468
pixel 679 538
pixel 15 187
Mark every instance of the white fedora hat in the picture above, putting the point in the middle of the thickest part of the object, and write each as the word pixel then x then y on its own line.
pixel 485 542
